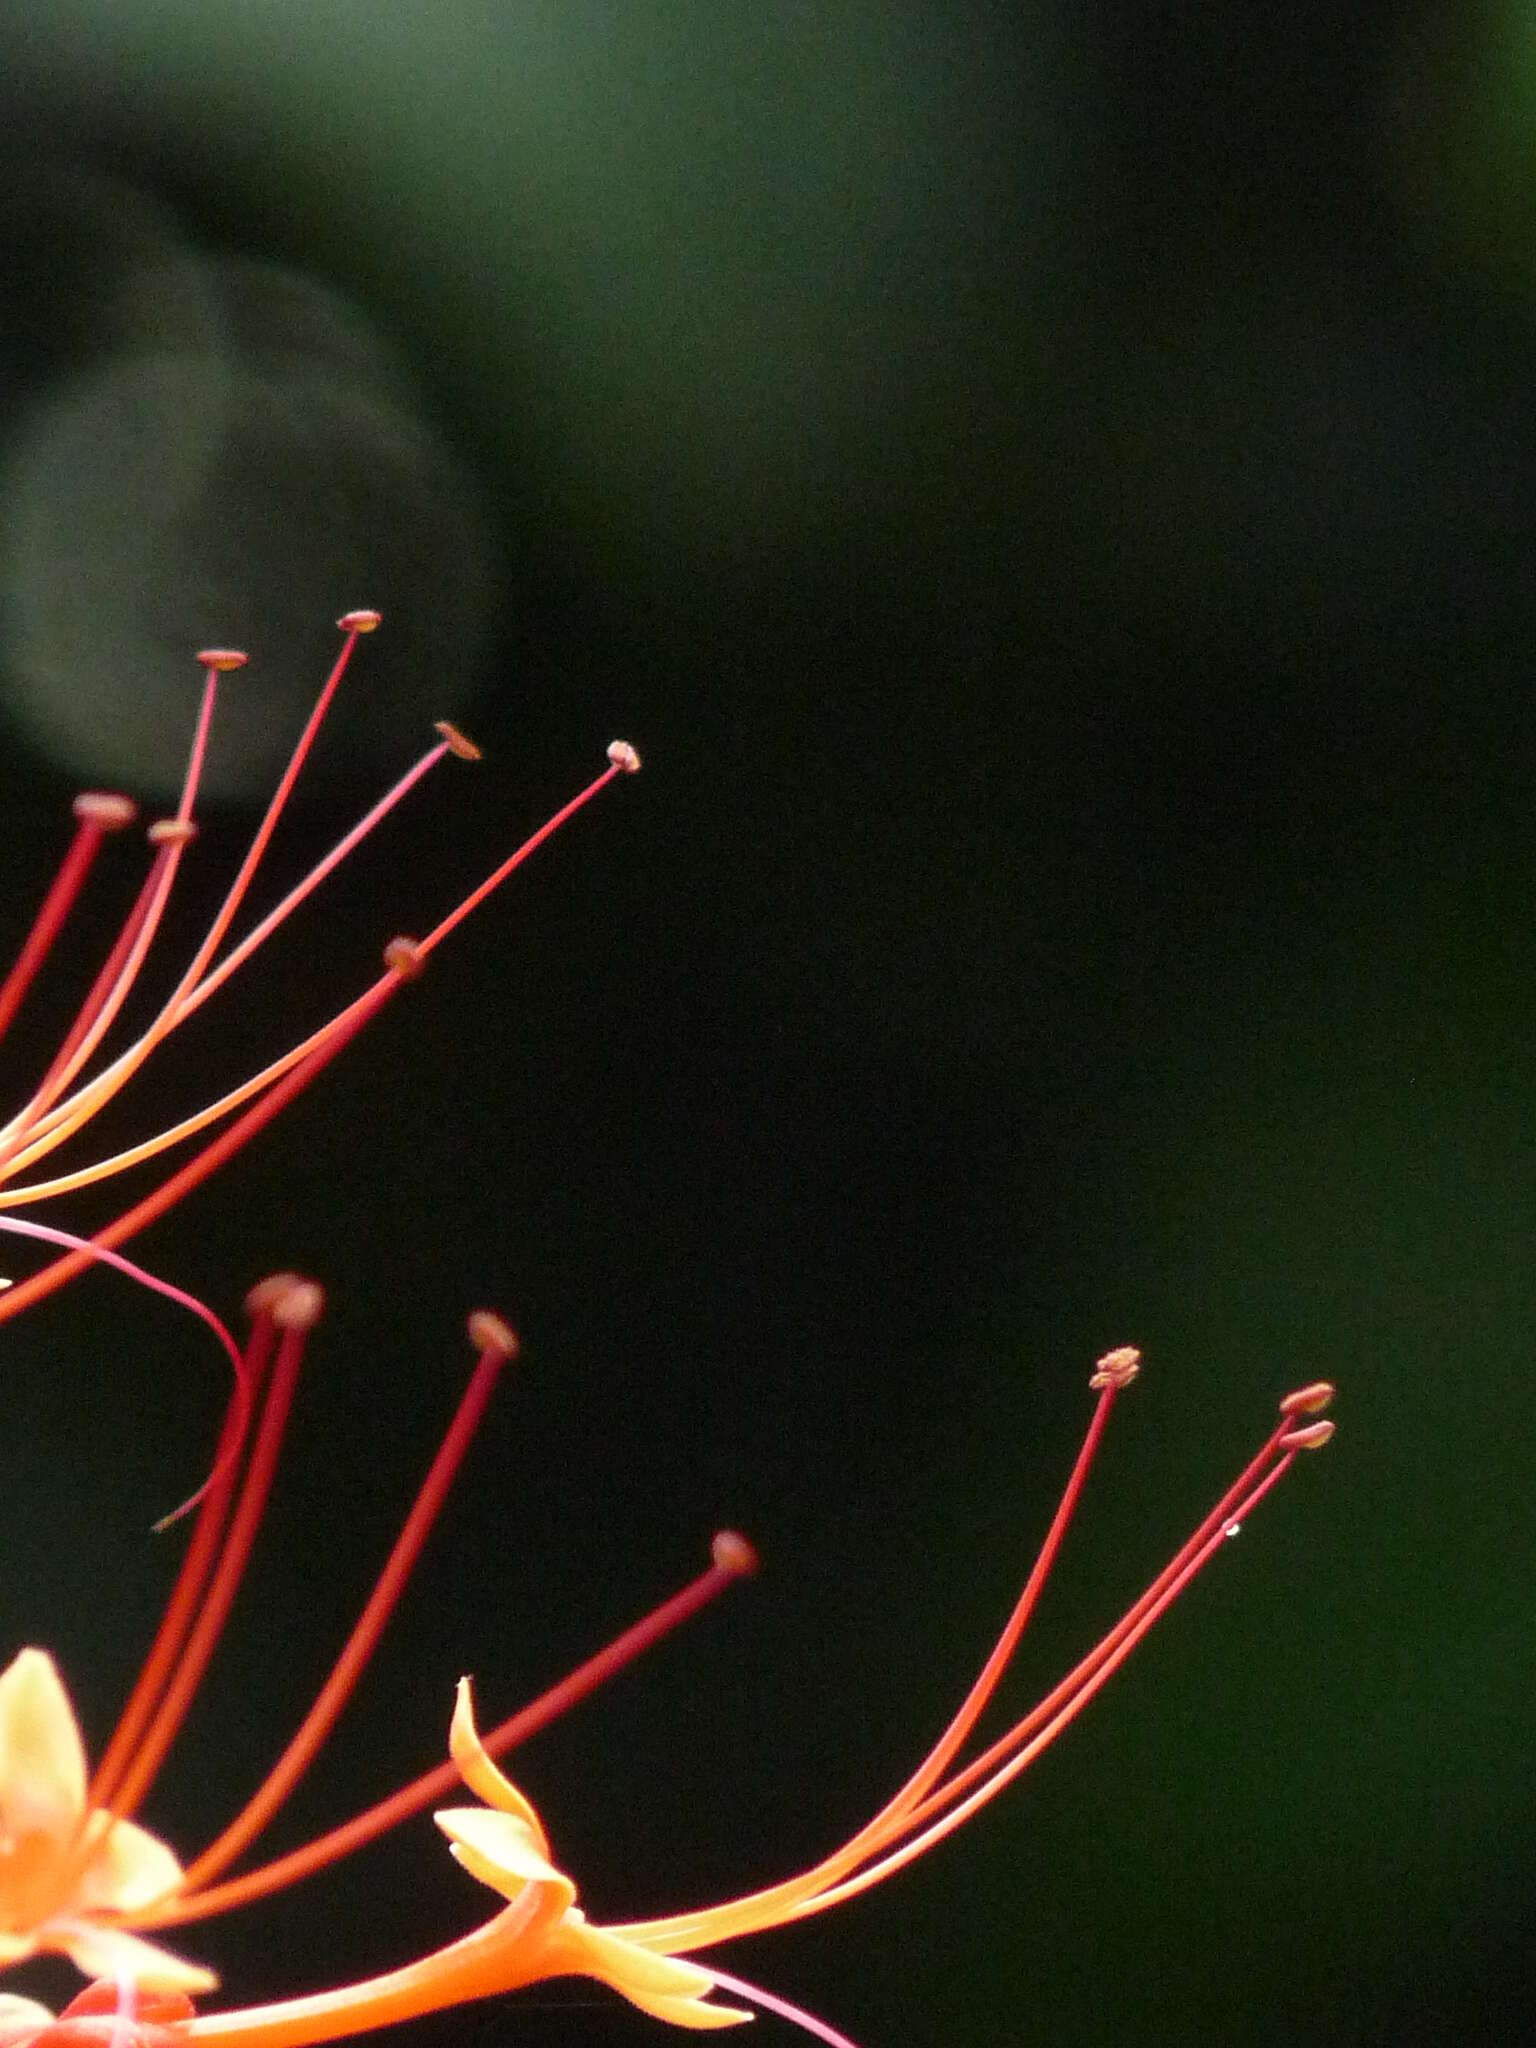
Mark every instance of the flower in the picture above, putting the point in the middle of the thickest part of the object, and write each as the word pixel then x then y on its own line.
pixel 80 1876
pixel 64 1864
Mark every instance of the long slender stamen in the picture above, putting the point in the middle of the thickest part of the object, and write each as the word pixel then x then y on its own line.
pixel 352 624
pixel 497 1344
pixel 201 1552
pixel 290 1075
pixel 171 836
pixel 295 1311
pixel 200 990
pixel 22 1137
pixel 196 985
pixel 1104 1668
pixel 38 1285
pixel 732 1558
pixel 97 813
pixel 48 1233
pixel 832 1879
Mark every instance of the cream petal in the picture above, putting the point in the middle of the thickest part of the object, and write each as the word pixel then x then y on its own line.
pixel 500 1849
pixel 129 1868
pixel 21 2018
pixel 42 1759
pixel 689 2012
pixel 480 1773
pixel 109 1952
pixel 664 1986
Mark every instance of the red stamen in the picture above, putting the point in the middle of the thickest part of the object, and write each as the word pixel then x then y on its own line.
pixel 1100 1667
pixel 342 1030
pixel 48 1233
pixel 294 1310
pixel 195 1566
pixel 352 624
pixel 622 760
pixel 732 1558
pixel 110 990
pixel 497 1344
pixel 98 814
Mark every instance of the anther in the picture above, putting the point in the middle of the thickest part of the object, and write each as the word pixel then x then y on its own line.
pixel 1310 1437
pixel 1116 1368
pixel 623 755
pixel 172 832
pixel 456 741
pixel 733 1553
pixel 99 807
pixel 1309 1400
pixel 491 1332
pixel 223 658
pixel 299 1306
pixel 263 1297
pixel 405 957
pixel 359 622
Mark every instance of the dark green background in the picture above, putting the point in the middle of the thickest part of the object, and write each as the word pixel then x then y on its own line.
pixel 1054 505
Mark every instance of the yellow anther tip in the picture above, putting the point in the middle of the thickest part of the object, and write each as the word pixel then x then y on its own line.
pixel 103 808
pixel 359 621
pixel 733 1553
pixel 1309 1400
pixel 405 957
pixel 1116 1368
pixel 172 832
pixel 491 1332
pixel 457 742
pixel 623 755
pixel 222 658
pixel 1310 1437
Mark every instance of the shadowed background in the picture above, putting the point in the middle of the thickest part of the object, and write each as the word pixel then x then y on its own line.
pixel 1053 503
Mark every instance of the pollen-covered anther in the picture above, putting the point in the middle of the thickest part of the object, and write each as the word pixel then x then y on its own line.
pixel 623 755
pixel 172 832
pixel 359 621
pixel 732 1552
pixel 1309 1400
pixel 223 658
pixel 491 1332
pixel 299 1306
pixel 457 742
pixel 104 809
pixel 1310 1437
pixel 260 1299
pixel 1116 1368
pixel 405 957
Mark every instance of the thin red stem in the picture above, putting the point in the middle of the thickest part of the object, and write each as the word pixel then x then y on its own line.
pixel 321 1718
pixel 530 845
pixel 150 1753
pixel 197 1169
pixel 443 1780
pixel 193 1576
pixel 918 1844
pixel 52 913
pixel 268 825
